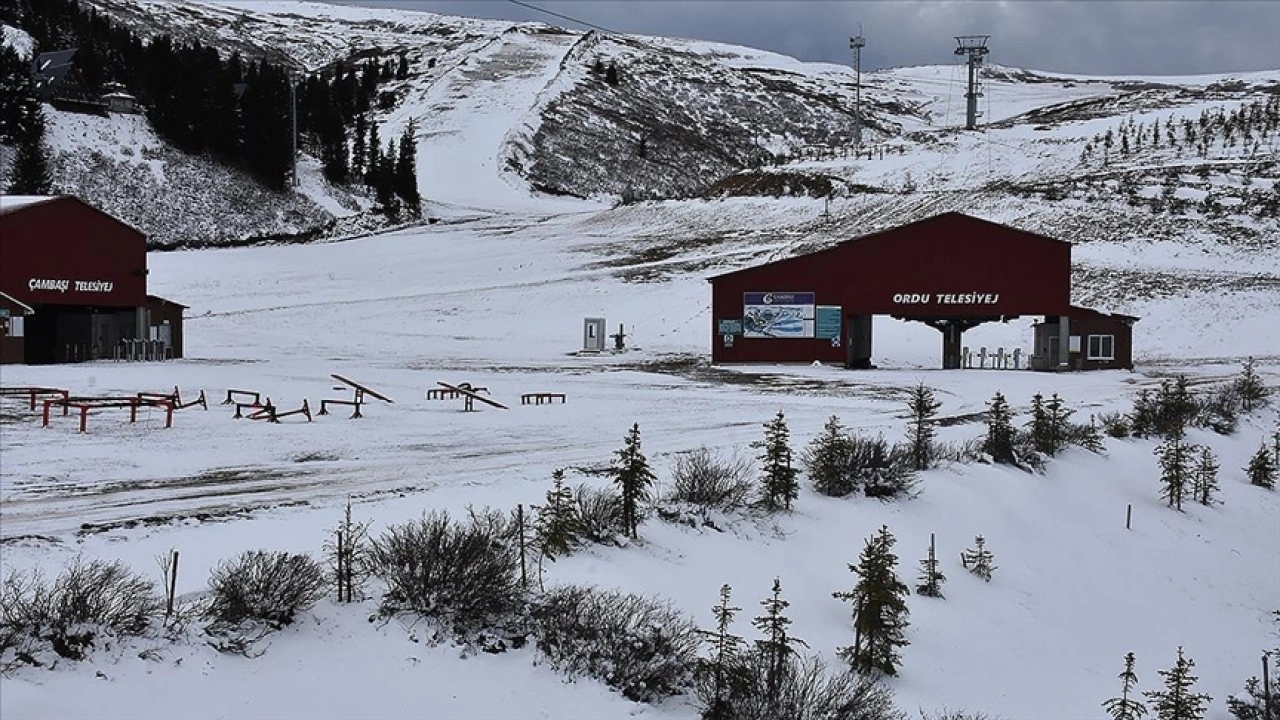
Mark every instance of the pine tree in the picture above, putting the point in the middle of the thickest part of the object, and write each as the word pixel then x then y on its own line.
pixel 1039 426
pixel 1089 438
pixel 920 432
pixel 999 442
pixel 726 649
pixel 1250 388
pixel 978 560
pixel 557 524
pixel 1262 469
pixel 777 646
pixel 778 485
pixel 1177 701
pixel 30 174
pixel 879 608
pixel 611 75
pixel 1124 708
pixel 1175 469
pixel 18 103
pixel 633 477
pixel 827 460
pixel 1059 425
pixel 931 578
pixel 1205 477
pixel 406 179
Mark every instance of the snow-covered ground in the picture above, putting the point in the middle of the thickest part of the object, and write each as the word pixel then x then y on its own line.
pixel 500 304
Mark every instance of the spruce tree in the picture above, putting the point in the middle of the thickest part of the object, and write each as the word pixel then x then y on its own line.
pixel 931 578
pixel 920 434
pixel 778 484
pixel 30 174
pixel 1262 469
pixel 18 103
pixel 557 524
pixel 776 647
pixel 979 559
pixel 999 442
pixel 726 650
pixel 1205 477
pixel 827 460
pixel 879 608
pixel 1039 426
pixel 1124 707
pixel 406 172
pixel 1177 701
pixel 633 477
pixel 1175 469
pixel 1090 437
pixel 1059 418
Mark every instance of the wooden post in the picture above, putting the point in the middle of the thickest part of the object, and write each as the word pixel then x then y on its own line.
pixel 1266 689
pixel 524 580
pixel 341 574
pixel 173 584
pixel 1128 516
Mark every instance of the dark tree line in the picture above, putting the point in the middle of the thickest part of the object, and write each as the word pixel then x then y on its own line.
pixel 235 109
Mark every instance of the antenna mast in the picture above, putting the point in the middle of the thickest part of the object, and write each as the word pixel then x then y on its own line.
pixel 975 47
pixel 856 44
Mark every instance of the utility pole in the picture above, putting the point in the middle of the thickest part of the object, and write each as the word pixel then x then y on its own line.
pixel 856 44
pixel 975 47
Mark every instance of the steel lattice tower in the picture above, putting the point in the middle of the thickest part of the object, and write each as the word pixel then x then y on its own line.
pixel 975 47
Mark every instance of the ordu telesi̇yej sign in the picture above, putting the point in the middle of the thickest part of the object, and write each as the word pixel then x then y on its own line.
pixel 778 314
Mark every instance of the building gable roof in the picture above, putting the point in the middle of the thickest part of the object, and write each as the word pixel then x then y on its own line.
pixel 947 219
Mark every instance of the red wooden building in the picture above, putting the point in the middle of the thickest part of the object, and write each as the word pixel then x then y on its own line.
pixel 80 278
pixel 951 272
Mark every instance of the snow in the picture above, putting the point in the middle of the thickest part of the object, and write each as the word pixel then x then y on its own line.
pixel 499 303
pixel 9 203
pixel 17 39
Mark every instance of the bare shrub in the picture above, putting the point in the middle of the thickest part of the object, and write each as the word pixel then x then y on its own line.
pixel 467 573
pixel 705 478
pixel 266 586
pixel 945 714
pixel 643 647
pixel 804 690
pixel 599 514
pixel 87 599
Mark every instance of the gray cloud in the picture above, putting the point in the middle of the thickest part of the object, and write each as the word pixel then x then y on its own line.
pixel 1076 36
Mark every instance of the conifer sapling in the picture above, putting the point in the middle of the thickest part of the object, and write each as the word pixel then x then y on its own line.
pixel 779 486
pixel 978 559
pixel 1125 707
pixel 1177 701
pixel 879 608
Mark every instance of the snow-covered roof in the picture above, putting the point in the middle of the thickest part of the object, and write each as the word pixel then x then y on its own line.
pixel 9 203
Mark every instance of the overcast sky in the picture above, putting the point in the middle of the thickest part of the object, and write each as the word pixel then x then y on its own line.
pixel 1114 37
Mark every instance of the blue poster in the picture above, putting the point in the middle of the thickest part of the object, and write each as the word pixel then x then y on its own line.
pixel 778 314
pixel 827 322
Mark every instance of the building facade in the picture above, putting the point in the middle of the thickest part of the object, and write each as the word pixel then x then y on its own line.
pixel 82 276
pixel 951 272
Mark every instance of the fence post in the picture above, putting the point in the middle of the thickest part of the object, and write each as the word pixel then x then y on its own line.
pixel 524 580
pixel 1128 515
pixel 1266 688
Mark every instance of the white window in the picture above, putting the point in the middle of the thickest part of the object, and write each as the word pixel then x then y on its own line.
pixel 1102 347
pixel 16 326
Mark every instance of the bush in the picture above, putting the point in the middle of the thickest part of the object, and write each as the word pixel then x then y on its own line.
pixel 883 470
pixel 641 646
pixel 805 691
pixel 266 586
pixel 599 514
pixel 1115 424
pixel 87 599
pixel 704 478
pixel 466 573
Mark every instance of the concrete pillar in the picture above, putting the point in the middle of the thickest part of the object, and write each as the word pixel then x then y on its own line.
pixel 1064 341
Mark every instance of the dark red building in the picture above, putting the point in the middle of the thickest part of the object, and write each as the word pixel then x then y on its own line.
pixel 82 276
pixel 951 272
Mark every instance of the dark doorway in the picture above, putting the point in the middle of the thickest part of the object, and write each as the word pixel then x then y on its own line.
pixel 76 334
pixel 858 342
